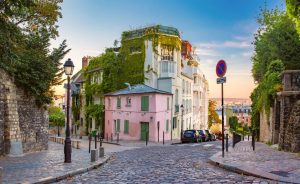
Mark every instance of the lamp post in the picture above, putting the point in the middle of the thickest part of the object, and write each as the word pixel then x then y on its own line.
pixel 182 109
pixel 68 69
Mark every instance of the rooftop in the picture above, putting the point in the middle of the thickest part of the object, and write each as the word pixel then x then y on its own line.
pixel 150 30
pixel 137 89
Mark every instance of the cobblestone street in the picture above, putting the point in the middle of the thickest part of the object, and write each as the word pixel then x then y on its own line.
pixel 169 164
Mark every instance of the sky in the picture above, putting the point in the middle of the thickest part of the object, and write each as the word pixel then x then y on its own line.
pixel 219 29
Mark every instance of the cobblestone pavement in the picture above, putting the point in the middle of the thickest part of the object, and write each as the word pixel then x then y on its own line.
pixel 39 165
pixel 265 160
pixel 186 163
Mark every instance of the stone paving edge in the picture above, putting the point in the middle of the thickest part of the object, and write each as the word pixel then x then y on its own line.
pixel 73 173
pixel 217 160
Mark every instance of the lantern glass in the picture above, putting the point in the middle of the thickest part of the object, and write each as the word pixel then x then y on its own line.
pixel 68 67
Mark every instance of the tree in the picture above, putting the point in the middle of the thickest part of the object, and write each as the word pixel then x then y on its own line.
pixel 56 117
pixel 25 33
pixel 276 39
pixel 213 117
pixel 293 10
pixel 233 123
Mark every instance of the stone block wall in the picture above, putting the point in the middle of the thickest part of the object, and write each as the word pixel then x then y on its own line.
pixel 23 125
pixel 289 133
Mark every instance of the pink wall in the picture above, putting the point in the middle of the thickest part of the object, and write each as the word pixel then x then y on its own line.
pixel 157 112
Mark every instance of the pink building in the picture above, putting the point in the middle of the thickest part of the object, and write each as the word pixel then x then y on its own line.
pixel 138 111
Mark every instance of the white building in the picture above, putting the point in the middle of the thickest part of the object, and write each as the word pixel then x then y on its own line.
pixel 177 71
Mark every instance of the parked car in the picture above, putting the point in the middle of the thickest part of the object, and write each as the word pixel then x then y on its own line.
pixel 202 136
pixel 209 135
pixel 189 136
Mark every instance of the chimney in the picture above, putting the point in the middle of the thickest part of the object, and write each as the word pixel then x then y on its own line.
pixel 85 62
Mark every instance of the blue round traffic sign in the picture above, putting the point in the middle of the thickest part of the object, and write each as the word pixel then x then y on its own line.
pixel 221 68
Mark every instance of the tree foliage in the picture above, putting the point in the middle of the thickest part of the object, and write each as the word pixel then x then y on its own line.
pixel 25 33
pixel 276 39
pixel 293 10
pixel 233 123
pixel 56 116
pixel 213 117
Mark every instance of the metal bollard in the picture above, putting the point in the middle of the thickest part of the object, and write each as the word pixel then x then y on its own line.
pixel 107 137
pixel 146 138
pixel 253 141
pixel 226 138
pixel 95 141
pixel 90 139
pixel 111 137
pixel 163 137
pixel 248 137
pixel 118 138
pixel 100 142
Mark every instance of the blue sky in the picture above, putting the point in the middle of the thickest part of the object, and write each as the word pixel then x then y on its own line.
pixel 220 29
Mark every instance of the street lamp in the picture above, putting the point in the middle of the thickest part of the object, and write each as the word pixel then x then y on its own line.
pixel 68 69
pixel 182 109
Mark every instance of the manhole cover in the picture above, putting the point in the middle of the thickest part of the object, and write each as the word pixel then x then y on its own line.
pixel 280 173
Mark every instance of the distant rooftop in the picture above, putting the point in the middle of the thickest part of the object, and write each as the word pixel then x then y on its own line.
pixel 150 30
pixel 137 89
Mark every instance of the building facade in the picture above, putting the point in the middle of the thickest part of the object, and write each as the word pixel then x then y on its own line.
pixel 171 65
pixel 138 112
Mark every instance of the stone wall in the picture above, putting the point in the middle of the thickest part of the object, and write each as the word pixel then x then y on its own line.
pixel 23 125
pixel 289 131
pixel 264 127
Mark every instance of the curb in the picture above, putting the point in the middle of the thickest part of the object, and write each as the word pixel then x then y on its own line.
pixel 72 173
pixel 250 171
pixel 118 144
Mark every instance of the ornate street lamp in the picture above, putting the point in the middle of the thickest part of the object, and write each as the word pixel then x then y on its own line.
pixel 182 109
pixel 68 68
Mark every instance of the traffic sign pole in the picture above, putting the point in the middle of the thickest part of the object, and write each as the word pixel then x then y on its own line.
pixel 220 71
pixel 222 121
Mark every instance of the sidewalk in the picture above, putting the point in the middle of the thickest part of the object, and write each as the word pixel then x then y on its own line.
pixel 48 166
pixel 264 162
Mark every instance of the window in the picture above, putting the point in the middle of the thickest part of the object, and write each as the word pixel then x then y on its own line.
pixel 128 101
pixel 166 53
pixel 117 125
pixel 135 50
pixel 145 103
pixel 167 126
pixel 174 123
pixel 126 126
pixel 119 102
pixel 168 103
pixel 167 66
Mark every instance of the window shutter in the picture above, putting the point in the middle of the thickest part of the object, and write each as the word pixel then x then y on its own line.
pixel 119 102
pixel 126 126
pixel 145 103
pixel 118 125
pixel 167 126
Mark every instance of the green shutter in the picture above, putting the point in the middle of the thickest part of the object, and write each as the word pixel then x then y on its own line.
pixel 145 103
pixel 118 125
pixel 168 102
pixel 126 126
pixel 119 102
pixel 167 126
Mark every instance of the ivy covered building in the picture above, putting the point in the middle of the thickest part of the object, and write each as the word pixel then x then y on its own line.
pixel 157 57
pixel 170 64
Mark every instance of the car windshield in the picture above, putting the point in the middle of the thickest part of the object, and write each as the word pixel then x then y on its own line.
pixel 189 132
pixel 200 131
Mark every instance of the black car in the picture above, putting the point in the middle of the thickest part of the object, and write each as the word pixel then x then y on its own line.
pixel 202 136
pixel 189 136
